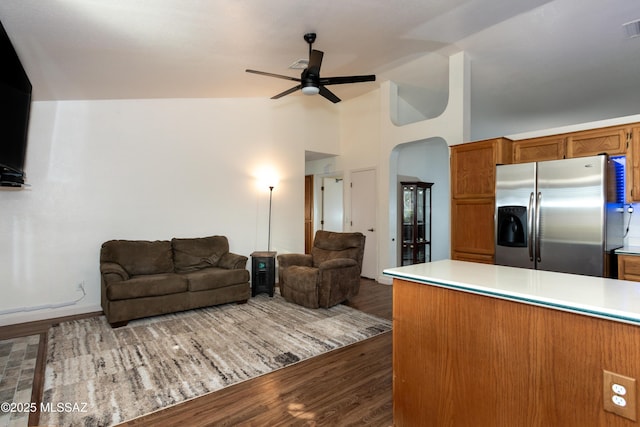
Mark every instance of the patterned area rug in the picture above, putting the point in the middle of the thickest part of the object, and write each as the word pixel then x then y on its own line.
pixel 100 376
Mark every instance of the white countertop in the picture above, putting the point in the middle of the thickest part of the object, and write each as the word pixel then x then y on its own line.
pixel 617 300
pixel 628 250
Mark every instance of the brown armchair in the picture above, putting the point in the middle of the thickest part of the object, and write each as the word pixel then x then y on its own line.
pixel 327 276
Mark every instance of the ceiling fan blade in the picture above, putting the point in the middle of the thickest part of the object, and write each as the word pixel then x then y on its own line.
pixel 278 76
pixel 347 79
pixel 315 61
pixel 329 95
pixel 287 92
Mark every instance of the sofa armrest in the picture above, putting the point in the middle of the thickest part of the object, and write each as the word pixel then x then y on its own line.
pixel 337 263
pixel 288 260
pixel 232 261
pixel 113 272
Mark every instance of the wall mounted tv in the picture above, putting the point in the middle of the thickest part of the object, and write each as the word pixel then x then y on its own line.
pixel 15 104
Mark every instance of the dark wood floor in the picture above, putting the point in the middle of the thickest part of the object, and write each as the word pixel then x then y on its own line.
pixel 348 386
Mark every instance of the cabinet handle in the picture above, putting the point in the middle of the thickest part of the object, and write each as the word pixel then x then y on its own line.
pixel 370 229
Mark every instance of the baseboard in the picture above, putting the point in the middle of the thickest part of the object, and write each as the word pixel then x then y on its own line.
pixel 39 326
pixel 34 316
pixel 385 280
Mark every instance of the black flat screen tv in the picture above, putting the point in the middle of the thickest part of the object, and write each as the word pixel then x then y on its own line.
pixel 15 104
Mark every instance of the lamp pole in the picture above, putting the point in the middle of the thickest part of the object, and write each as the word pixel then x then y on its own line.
pixel 270 198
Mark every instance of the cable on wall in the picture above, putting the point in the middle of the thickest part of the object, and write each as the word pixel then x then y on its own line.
pixel 46 306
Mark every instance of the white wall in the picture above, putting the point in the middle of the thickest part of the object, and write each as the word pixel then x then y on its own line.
pixel 149 169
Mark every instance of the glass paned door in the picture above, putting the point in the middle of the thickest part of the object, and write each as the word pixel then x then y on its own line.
pixel 416 223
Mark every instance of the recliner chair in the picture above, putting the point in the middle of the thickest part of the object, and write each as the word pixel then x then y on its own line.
pixel 326 277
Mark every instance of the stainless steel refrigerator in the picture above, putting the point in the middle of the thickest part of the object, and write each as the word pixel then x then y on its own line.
pixel 559 215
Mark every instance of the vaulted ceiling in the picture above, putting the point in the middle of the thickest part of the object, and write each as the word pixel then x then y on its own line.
pixel 529 58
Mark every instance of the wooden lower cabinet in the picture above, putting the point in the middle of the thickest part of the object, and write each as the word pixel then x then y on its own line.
pixel 629 267
pixel 461 359
pixel 472 230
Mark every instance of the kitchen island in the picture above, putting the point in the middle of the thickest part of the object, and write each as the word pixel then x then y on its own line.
pixel 477 344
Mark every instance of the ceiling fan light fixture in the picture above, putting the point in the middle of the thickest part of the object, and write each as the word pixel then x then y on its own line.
pixel 311 90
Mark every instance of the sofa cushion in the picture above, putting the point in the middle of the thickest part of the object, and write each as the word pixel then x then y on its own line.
pixel 215 278
pixel 139 257
pixel 330 245
pixel 147 286
pixel 198 253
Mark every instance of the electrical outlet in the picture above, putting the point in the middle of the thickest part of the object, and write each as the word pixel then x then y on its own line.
pixel 619 394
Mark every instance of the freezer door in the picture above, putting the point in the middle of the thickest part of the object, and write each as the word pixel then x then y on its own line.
pixel 572 199
pixel 515 187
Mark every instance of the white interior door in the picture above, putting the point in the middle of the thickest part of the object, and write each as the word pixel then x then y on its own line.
pixel 332 205
pixel 363 217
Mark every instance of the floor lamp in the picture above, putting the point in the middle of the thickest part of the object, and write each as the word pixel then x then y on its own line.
pixel 270 199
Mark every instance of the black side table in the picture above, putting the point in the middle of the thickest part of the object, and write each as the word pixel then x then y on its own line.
pixel 263 272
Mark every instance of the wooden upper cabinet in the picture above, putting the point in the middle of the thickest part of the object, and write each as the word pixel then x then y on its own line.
pixel 539 149
pixel 633 166
pixel 473 166
pixel 611 140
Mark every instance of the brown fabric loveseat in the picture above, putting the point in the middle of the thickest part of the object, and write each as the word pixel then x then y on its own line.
pixel 142 278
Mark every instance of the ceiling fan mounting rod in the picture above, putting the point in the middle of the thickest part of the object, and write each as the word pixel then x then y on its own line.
pixel 310 38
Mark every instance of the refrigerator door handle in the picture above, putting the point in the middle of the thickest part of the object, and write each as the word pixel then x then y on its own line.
pixel 530 226
pixel 538 202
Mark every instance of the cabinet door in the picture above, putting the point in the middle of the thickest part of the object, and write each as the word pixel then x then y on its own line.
pixel 472 229
pixel 539 149
pixel 473 167
pixel 633 166
pixel 629 267
pixel 612 140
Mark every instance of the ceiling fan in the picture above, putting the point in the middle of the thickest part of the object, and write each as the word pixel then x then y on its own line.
pixel 310 81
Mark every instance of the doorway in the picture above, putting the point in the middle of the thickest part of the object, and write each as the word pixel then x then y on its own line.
pixel 308 213
pixel 332 209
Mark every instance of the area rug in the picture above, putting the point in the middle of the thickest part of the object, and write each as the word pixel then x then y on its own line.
pixel 99 376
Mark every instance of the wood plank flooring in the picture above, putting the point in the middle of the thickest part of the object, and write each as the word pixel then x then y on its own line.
pixel 348 386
